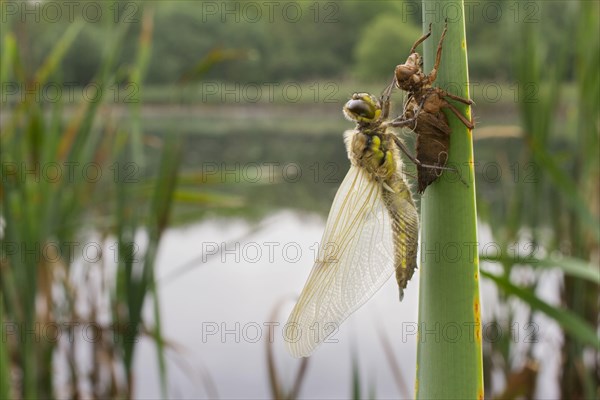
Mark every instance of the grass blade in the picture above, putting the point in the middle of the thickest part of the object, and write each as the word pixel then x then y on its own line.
pixel 58 52
pixel 355 377
pixel 5 391
pixel 570 266
pixel 569 321
pixel 393 363
pixel 8 50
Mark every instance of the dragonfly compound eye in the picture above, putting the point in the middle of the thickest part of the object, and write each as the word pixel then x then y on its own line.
pixel 362 108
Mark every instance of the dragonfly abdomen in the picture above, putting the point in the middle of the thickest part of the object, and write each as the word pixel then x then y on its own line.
pixel 405 225
pixel 376 152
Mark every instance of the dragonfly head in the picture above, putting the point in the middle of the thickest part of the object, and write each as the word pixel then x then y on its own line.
pixel 410 73
pixel 362 108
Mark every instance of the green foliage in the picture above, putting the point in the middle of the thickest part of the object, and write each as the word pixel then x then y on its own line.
pixel 49 215
pixel 555 212
pixel 5 385
pixel 331 39
pixel 568 320
pixel 383 45
pixel 81 63
pixel 570 266
pixel 53 215
pixel 181 40
pixel 366 39
pixel 320 43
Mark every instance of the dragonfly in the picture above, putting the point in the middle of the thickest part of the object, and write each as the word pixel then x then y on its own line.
pixel 371 231
pixel 423 113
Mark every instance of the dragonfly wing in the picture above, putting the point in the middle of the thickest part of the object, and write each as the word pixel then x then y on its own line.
pixel 355 258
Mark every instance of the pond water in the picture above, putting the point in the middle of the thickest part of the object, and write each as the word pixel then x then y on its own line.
pixel 219 312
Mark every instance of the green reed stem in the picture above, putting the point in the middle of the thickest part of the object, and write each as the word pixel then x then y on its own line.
pixel 449 354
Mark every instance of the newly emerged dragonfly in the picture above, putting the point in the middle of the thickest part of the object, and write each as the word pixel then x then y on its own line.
pixel 423 113
pixel 371 231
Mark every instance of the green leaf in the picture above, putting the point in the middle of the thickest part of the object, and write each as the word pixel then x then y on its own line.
pixel 355 377
pixel 569 189
pixel 569 321
pixel 208 61
pixel 207 199
pixel 570 266
pixel 5 392
pixel 9 46
pixel 58 52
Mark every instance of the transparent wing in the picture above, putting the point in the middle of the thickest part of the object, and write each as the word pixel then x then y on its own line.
pixel 355 258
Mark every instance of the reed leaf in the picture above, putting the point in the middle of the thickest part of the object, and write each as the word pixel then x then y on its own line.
pixel 569 265
pixel 568 320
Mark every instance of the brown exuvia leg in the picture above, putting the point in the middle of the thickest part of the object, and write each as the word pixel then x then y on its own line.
pixel 438 57
pixel 468 102
pixel 412 158
pixel 465 121
pixel 420 40
pixel 385 99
